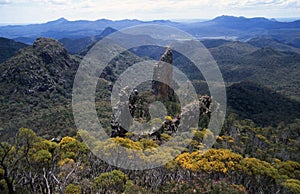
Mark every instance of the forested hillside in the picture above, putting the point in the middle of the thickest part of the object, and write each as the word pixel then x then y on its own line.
pixel 246 159
pixel 8 48
pixel 257 151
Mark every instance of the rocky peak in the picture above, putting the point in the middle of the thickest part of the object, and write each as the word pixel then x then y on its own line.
pixel 167 56
pixel 164 72
pixel 45 66
pixel 107 31
pixel 58 21
pixel 49 49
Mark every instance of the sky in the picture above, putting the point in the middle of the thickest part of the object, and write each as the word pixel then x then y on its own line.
pixel 39 11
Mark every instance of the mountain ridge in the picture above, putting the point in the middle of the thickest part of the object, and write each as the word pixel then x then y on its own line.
pixel 231 26
pixel 37 82
pixel 262 42
pixel 273 68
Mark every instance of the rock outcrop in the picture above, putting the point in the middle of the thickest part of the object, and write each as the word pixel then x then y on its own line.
pixel 36 88
pixel 164 73
pixel 43 67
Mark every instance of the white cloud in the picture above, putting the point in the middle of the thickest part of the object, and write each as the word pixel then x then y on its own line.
pixel 5 2
pixel 59 2
pixel 255 3
pixel 182 6
pixel 154 4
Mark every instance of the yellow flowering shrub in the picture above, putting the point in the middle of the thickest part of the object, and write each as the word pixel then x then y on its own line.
pixel 213 160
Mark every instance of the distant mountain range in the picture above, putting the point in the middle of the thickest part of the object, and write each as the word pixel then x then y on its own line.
pixel 63 28
pixel 226 27
pixel 75 46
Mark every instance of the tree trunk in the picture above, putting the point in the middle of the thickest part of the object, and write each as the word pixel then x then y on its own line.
pixel 10 186
pixel 9 183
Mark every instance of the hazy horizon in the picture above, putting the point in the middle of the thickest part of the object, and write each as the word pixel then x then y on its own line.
pixel 40 11
pixel 173 20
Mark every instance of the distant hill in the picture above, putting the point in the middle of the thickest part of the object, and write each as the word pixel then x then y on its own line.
pixel 8 48
pixel 76 46
pixel 232 51
pixel 260 104
pixel 274 44
pixel 210 43
pixel 107 31
pixel 242 23
pixel 241 28
pixel 26 40
pixel 295 42
pixel 278 70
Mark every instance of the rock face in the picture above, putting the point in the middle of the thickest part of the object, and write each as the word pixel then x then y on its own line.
pixel 164 72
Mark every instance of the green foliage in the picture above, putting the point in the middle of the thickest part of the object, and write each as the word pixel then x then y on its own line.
pixel 200 185
pixel 244 137
pixel 262 105
pixel 240 61
pixel 288 168
pixel 72 148
pixel 292 185
pixel 165 137
pixel 256 167
pixel 204 121
pixel 224 187
pixel 43 156
pixel 130 188
pixel 73 189
pixel 127 143
pixel 71 163
pixel 206 134
pixel 3 185
pixel 148 144
pixel 114 181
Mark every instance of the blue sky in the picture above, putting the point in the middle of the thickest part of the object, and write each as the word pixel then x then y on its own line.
pixel 38 11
